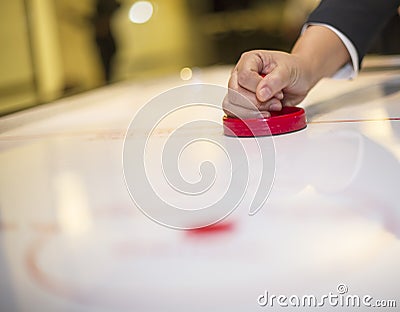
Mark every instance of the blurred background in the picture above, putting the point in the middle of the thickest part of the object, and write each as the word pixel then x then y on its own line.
pixel 55 48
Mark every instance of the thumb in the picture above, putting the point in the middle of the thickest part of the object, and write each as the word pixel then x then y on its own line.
pixel 273 83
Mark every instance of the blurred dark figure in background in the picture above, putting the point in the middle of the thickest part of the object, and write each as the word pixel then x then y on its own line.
pixel 105 41
pixel 228 5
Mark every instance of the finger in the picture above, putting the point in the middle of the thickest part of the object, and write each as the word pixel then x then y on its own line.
pixel 233 110
pixel 243 111
pixel 279 95
pixel 244 102
pixel 275 107
pixel 273 104
pixel 239 103
pixel 273 84
pixel 248 70
pixel 241 96
pixel 244 98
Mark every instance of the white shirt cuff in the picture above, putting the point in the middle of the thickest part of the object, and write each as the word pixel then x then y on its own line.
pixel 349 70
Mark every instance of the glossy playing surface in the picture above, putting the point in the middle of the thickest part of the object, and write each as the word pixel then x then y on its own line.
pixel 71 238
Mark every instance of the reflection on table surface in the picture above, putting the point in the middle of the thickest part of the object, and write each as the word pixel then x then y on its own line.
pixel 71 238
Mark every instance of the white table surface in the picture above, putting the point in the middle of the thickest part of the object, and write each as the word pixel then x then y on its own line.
pixel 71 238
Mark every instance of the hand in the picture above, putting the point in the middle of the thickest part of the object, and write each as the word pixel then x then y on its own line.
pixel 318 53
pixel 286 83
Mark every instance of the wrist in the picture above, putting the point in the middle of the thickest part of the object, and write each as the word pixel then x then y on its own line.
pixel 321 51
pixel 305 71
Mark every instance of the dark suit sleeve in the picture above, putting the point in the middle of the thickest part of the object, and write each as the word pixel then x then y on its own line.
pixel 359 20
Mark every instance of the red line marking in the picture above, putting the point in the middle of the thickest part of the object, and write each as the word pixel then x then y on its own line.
pixel 99 296
pixel 31 262
pixel 111 134
pixel 355 120
pixel 120 134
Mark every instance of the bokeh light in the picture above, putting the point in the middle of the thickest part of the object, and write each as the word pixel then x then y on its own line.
pixel 141 12
pixel 186 73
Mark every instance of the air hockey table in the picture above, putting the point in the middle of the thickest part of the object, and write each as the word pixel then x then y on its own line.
pixel 326 235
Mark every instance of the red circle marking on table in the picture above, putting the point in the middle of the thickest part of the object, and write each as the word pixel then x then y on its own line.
pixel 217 228
pixel 289 119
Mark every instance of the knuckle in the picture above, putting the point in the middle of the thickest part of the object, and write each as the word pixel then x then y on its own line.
pixel 243 77
pixel 245 54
